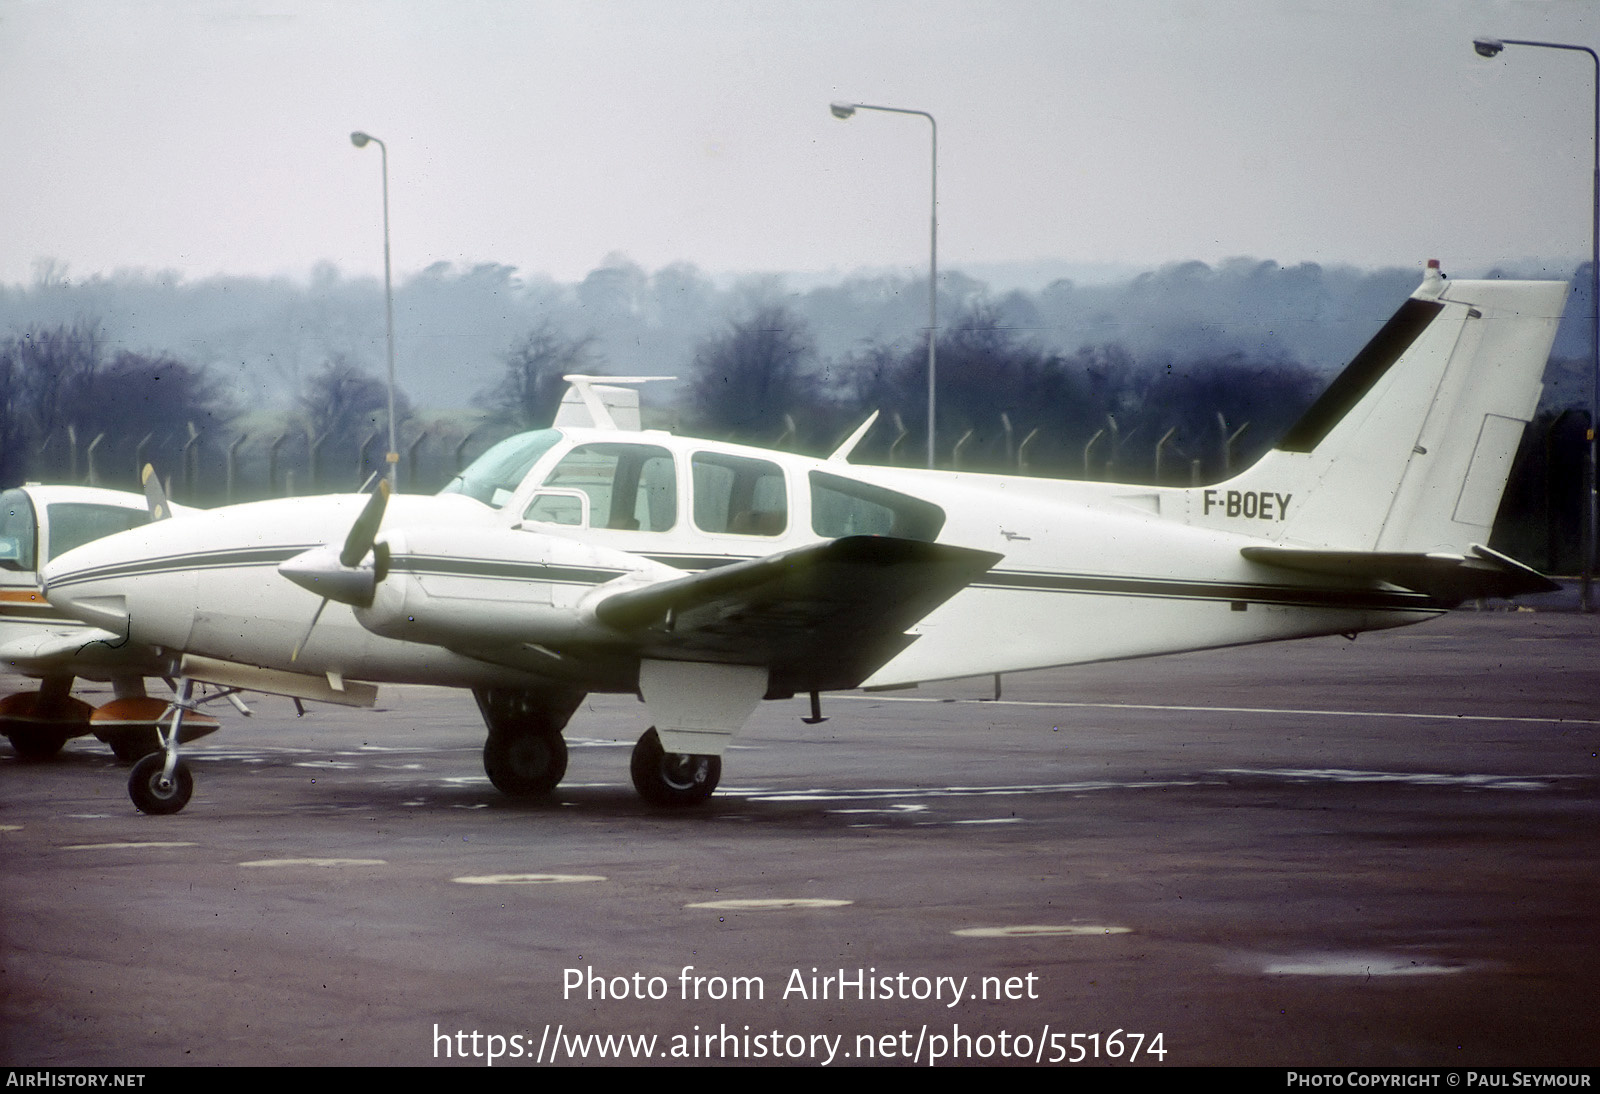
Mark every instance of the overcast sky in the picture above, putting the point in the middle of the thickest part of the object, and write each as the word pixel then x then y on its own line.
pixel 212 136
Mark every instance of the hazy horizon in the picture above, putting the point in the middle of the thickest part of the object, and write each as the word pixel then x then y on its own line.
pixel 213 139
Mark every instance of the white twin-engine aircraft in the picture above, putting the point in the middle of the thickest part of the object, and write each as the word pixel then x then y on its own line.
pixel 705 577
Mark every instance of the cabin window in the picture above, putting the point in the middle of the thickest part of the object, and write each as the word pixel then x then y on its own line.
pixel 72 523
pixel 739 495
pixel 630 487
pixel 494 476
pixel 18 531
pixel 844 507
pixel 569 507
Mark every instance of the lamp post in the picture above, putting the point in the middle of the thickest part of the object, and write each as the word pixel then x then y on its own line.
pixel 845 110
pixel 392 457
pixel 1491 47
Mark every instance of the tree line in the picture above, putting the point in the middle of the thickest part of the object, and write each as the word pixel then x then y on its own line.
pixel 77 406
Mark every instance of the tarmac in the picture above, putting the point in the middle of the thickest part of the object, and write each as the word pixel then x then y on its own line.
pixel 1377 852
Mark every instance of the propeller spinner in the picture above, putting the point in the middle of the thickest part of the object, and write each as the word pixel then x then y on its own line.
pixel 346 574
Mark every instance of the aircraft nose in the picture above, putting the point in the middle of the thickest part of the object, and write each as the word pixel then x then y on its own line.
pixel 78 592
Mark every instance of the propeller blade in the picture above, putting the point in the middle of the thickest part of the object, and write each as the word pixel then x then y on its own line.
pixel 365 530
pixel 304 638
pixel 155 498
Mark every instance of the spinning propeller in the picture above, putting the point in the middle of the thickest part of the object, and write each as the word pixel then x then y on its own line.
pixel 347 574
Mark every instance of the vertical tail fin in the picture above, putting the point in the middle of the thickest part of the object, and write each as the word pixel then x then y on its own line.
pixel 1408 450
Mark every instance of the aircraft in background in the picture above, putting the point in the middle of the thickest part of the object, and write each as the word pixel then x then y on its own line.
pixel 706 577
pixel 38 523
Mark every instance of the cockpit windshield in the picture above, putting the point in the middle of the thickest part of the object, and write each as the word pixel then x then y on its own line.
pixel 18 531
pixel 72 524
pixel 494 476
pixel 67 524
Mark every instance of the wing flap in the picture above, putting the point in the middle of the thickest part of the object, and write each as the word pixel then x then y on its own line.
pixel 822 617
pixel 1448 578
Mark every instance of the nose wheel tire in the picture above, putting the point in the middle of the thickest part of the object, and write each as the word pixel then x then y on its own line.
pixel 154 795
pixel 672 778
pixel 525 765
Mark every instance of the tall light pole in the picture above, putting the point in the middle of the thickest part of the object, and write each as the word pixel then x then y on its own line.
pixel 845 110
pixel 360 139
pixel 1491 47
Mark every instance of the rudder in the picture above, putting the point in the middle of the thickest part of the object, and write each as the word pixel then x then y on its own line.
pixel 1409 449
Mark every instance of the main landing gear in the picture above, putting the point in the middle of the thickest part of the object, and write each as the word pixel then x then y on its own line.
pixel 38 723
pixel 672 778
pixel 526 756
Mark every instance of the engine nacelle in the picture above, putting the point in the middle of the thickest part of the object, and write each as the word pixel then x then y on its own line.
pixel 478 587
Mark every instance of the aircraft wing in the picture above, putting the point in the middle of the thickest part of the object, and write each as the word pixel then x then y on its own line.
pixel 1449 578
pixel 823 617
pixel 54 650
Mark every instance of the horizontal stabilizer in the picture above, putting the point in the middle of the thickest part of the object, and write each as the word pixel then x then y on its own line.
pixel 821 617
pixel 1447 578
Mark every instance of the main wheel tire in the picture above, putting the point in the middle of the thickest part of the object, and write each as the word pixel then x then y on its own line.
pixel 132 745
pixel 672 778
pixel 35 743
pixel 38 725
pixel 525 765
pixel 147 792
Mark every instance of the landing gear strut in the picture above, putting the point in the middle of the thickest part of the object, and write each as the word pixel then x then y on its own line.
pixel 161 783
pixel 525 755
pixel 672 778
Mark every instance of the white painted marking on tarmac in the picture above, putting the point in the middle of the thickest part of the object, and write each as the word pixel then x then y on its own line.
pixel 1061 704
pixel 316 862
pixel 10 827
pixel 773 904
pixel 1334 964
pixel 905 807
pixel 526 879
pixel 1409 778
pixel 821 795
pixel 1041 930
pixel 124 846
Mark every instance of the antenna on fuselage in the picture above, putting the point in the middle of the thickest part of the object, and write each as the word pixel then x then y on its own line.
pixel 842 453
pixel 606 398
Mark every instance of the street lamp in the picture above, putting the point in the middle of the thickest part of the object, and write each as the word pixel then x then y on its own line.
pixel 360 139
pixel 1491 47
pixel 843 111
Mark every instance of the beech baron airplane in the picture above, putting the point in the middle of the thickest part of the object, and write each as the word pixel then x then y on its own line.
pixel 705 577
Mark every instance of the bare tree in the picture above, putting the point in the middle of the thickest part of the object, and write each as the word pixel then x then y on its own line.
pixel 344 405
pixel 529 393
pixel 755 372
pixel 47 378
